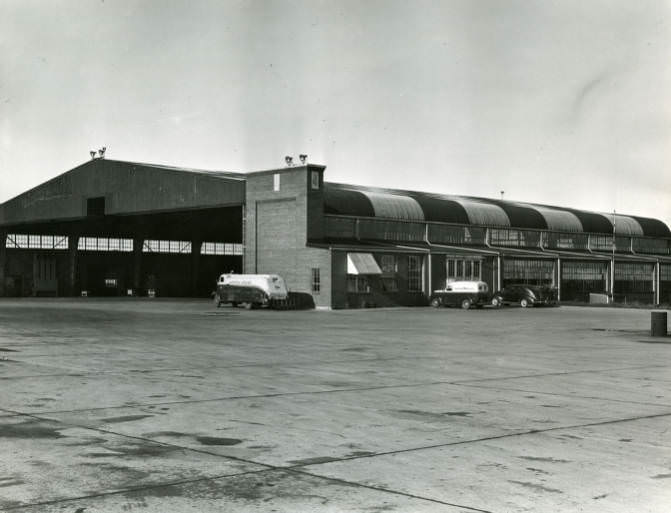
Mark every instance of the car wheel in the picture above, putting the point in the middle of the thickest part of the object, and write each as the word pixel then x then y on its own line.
pixel 466 304
pixel 435 302
pixel 234 304
pixel 497 302
pixel 249 306
pixel 524 302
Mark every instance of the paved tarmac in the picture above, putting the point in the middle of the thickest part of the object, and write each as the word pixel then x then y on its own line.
pixel 162 406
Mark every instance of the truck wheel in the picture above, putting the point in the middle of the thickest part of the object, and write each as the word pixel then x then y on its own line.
pixel 217 300
pixel 497 302
pixel 234 304
pixel 249 306
pixel 435 302
pixel 466 304
pixel 524 302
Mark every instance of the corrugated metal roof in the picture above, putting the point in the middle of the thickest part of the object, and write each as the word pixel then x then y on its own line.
pixel 394 206
pixel 556 219
pixel 347 199
pixel 484 214
pixel 625 225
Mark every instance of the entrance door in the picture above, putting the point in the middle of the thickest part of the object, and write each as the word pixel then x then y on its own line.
pixel 45 282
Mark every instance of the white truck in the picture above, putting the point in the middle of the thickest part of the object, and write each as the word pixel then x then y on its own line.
pixel 462 293
pixel 250 290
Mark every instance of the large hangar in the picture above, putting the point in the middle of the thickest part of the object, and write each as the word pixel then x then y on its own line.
pixel 112 228
pixel 109 227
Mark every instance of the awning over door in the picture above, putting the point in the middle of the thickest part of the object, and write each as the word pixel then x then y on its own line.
pixel 362 263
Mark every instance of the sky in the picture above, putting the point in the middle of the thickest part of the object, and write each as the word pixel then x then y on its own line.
pixel 554 102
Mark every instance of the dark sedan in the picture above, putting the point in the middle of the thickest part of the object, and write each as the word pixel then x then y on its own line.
pixel 525 295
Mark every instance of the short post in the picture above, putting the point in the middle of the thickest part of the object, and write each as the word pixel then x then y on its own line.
pixel 658 324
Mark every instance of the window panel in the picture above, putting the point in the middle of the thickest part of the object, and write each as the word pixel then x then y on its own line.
pixel 316 280
pixel 414 273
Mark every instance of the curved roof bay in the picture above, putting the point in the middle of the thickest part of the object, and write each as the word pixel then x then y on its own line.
pixel 360 201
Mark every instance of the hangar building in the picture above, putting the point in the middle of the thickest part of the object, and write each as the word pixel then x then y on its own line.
pixel 111 227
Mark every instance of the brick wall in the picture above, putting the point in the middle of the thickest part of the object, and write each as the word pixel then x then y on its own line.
pixel 283 212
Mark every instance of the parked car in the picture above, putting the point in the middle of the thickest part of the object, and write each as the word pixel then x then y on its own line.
pixel 525 295
pixel 461 293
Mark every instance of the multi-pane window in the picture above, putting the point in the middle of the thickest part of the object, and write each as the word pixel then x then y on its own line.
pixel 463 269
pixel 104 244
pixel 601 242
pixel 633 278
pixel 379 229
pixel 657 246
pixel 414 273
pixel 555 240
pixel 356 283
pixel 449 234
pixel 665 272
pixel 221 248
pixel 388 264
pixel 23 241
pixel 166 246
pixel 584 271
pixel 389 268
pixel 514 238
pixel 536 272
pixel 316 280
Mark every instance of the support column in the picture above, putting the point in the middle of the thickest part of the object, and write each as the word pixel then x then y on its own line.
pixel 73 244
pixel 611 288
pixel 656 283
pixel 138 242
pixel 499 272
pixel 3 261
pixel 558 279
pixel 195 265
pixel 429 273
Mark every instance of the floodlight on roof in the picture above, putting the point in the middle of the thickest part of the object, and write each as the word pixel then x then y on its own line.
pixel 303 158
pixel 93 154
pixel 289 160
pixel 101 152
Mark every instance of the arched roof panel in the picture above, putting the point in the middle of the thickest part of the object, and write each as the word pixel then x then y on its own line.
pixel 592 222
pixel 338 200
pixel 441 209
pixel 395 206
pixel 482 213
pixel 625 225
pixel 521 216
pixel 557 219
pixel 653 227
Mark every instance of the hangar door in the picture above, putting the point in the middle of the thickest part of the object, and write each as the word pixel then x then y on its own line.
pixel 276 240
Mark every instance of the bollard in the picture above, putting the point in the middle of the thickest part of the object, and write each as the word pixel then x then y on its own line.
pixel 658 324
